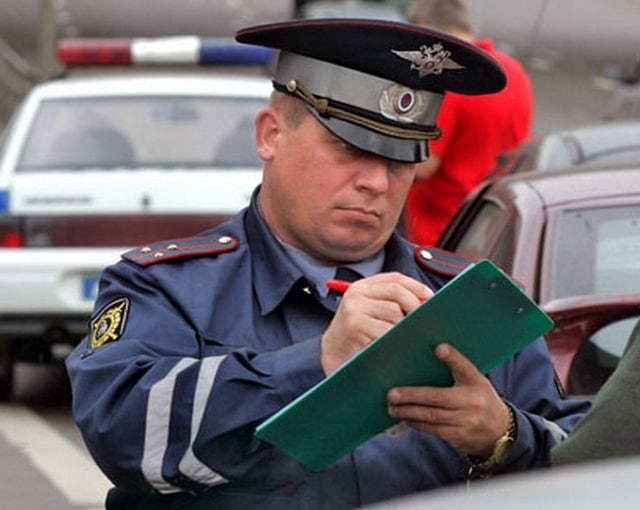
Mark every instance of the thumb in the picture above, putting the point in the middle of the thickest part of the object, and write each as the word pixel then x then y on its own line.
pixel 463 371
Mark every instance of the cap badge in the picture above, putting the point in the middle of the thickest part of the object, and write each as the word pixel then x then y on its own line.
pixel 429 59
pixel 401 104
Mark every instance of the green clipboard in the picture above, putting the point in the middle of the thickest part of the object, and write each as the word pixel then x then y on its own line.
pixel 481 312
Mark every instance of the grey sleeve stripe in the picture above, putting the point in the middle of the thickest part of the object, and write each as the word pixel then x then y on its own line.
pixel 556 431
pixel 190 465
pixel 157 428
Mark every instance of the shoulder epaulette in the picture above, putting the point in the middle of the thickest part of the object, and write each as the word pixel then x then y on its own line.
pixel 441 261
pixel 180 249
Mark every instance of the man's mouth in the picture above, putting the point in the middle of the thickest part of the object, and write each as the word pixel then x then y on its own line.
pixel 363 211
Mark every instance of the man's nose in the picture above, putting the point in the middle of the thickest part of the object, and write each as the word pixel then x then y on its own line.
pixel 374 175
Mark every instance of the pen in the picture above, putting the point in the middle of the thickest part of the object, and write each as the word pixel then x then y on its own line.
pixel 341 286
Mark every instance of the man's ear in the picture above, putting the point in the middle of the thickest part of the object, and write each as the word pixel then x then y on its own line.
pixel 267 130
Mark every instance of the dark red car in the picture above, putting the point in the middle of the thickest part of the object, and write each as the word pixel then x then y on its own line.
pixel 572 239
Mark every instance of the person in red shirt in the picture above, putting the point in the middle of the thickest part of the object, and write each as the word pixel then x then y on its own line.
pixel 475 129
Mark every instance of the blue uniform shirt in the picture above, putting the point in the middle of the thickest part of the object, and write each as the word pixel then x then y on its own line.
pixel 188 354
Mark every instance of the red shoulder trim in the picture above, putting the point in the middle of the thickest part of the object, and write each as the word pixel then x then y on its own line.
pixel 180 249
pixel 443 262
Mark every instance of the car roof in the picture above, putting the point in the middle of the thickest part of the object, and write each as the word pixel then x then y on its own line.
pixel 573 184
pixel 159 84
pixel 589 144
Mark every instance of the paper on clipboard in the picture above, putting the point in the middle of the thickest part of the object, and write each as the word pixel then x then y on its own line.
pixel 481 312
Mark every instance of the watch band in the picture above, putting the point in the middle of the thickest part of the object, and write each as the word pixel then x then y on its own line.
pixel 501 448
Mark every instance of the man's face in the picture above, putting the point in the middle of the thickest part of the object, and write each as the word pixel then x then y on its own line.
pixel 324 196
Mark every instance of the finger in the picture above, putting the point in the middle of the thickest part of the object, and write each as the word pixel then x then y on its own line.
pixel 463 371
pixel 421 291
pixel 423 396
pixel 358 321
pixel 397 288
pixel 361 306
pixel 424 413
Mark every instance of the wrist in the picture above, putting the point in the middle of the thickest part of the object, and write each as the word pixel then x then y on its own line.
pixel 501 448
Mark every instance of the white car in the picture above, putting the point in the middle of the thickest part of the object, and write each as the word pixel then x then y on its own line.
pixel 90 167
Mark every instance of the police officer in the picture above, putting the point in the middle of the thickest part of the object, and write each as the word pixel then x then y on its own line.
pixel 195 342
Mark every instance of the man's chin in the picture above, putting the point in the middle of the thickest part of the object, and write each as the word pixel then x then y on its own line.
pixel 356 246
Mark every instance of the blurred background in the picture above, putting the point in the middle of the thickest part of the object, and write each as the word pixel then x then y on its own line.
pixel 582 54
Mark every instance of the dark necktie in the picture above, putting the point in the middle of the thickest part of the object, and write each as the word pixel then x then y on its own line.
pixel 347 274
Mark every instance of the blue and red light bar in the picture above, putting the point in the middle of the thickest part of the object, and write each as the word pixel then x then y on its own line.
pixel 192 50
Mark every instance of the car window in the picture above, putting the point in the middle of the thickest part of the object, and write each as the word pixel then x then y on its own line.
pixel 141 132
pixel 474 240
pixel 480 235
pixel 599 356
pixel 4 134
pixel 502 253
pixel 596 252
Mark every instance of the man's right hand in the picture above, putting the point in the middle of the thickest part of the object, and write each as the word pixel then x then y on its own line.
pixel 368 308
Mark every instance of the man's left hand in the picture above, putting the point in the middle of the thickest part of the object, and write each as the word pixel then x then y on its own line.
pixel 469 415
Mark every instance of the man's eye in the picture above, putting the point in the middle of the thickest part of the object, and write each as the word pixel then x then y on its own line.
pixel 351 149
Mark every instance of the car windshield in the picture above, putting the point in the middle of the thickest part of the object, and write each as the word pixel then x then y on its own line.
pixel 480 239
pixel 135 132
pixel 596 252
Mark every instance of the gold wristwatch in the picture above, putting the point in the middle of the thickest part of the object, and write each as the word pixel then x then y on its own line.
pixel 501 448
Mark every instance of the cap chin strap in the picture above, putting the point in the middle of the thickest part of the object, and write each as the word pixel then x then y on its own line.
pixel 323 107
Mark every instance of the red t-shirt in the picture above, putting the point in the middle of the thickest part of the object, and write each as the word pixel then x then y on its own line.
pixel 475 130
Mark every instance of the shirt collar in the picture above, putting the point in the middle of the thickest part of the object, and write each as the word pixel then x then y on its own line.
pixel 318 272
pixel 274 274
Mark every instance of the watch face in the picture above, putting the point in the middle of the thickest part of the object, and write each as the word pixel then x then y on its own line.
pixel 500 452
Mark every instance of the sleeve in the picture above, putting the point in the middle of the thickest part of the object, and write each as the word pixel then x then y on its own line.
pixel 155 414
pixel 544 416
